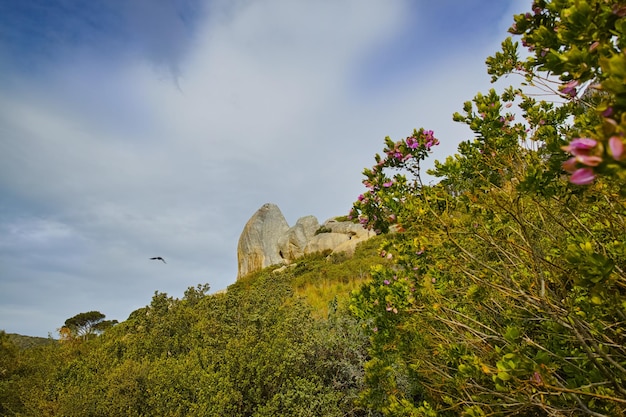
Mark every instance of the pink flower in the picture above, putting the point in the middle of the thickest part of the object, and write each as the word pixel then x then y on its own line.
pixel 570 88
pixel 361 197
pixel 388 184
pixel 616 146
pixel 386 282
pixel 570 165
pixel 589 160
pixel 580 146
pixel 608 112
pixel 582 176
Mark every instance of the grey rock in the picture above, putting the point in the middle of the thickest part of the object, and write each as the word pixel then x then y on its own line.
pixel 325 242
pixel 292 244
pixel 258 243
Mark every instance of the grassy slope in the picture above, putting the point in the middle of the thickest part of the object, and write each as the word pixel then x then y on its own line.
pixel 321 278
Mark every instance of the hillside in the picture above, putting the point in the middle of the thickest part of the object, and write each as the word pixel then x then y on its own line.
pixel 272 342
pixel 25 342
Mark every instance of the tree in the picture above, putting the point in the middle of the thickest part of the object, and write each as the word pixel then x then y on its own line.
pixel 85 325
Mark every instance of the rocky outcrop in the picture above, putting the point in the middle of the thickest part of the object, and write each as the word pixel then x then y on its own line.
pixel 292 244
pixel 268 240
pixel 325 242
pixel 258 243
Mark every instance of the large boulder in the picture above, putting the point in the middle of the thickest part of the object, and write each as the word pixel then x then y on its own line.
pixel 292 244
pixel 353 230
pixel 258 243
pixel 325 242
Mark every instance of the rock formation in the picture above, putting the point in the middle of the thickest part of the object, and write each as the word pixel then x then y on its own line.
pixel 258 243
pixel 268 240
pixel 292 244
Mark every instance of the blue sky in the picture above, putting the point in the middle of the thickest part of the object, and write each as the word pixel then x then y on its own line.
pixel 132 129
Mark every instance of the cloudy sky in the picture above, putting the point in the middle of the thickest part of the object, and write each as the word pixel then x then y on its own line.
pixel 132 129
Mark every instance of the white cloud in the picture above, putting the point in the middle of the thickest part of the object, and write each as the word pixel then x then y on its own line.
pixel 118 164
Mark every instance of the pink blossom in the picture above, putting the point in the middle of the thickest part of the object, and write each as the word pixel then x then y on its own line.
pixel 580 146
pixel 608 112
pixel 386 282
pixel 589 160
pixel 361 197
pixel 570 165
pixel 389 256
pixel 570 88
pixel 388 184
pixel 582 176
pixel 412 142
pixel 617 147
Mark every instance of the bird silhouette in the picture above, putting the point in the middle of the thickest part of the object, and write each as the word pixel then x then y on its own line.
pixel 158 258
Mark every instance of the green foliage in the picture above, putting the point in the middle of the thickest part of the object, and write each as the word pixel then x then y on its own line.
pixel 581 43
pixel 323 229
pixel 256 350
pixel 86 325
pixel 25 342
pixel 507 289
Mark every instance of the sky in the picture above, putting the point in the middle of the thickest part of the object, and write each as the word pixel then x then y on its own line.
pixel 138 128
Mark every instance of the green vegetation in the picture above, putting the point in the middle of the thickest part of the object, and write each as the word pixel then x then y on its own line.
pixel 25 342
pixel 503 291
pixel 255 350
pixel 507 294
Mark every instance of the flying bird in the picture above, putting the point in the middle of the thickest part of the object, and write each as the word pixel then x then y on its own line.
pixel 158 258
